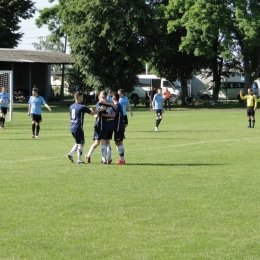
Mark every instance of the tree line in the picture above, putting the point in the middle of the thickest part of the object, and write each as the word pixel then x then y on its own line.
pixel 112 40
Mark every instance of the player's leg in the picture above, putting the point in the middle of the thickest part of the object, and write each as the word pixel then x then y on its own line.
pixel 249 117
pixel 80 140
pixel 109 148
pixel 73 150
pixel 33 126
pixel 118 138
pixel 103 151
pixel 3 114
pixel 92 148
pixel 253 119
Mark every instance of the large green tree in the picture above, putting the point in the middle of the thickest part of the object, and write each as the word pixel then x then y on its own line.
pixel 11 13
pixel 109 38
pixel 227 32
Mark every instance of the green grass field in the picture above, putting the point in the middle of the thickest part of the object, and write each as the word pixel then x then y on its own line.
pixel 189 191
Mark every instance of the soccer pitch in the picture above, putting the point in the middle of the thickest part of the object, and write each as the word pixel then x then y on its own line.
pixel 189 191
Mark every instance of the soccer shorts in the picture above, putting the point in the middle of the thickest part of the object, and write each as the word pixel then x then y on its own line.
pixel 4 110
pixel 36 118
pixel 79 137
pixel 125 119
pixel 250 111
pixel 118 136
pixel 158 112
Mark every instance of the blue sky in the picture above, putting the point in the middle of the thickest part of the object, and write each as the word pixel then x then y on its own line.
pixel 30 30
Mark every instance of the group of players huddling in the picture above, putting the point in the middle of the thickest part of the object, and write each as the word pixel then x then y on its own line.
pixel 109 121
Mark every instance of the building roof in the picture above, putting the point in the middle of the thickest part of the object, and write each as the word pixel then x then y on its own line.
pixel 28 56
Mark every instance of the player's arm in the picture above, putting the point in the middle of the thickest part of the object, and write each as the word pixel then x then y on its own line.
pixel 255 102
pixel 92 113
pixel 46 105
pixel 242 96
pixel 29 109
pixel 108 115
pixel 129 109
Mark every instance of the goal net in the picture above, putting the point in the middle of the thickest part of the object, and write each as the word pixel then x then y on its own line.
pixel 6 80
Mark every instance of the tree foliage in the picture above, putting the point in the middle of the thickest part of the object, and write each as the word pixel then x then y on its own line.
pixel 11 13
pixel 109 38
pixel 48 43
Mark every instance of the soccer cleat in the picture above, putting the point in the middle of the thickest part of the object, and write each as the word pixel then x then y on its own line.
pixel 88 159
pixel 120 162
pixel 37 136
pixel 70 158
pixel 249 126
pixel 33 135
pixel 109 161
pixel 79 162
pixel 104 162
pixel 156 128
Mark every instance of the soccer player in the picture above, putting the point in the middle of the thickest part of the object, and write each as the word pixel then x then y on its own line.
pixel 6 100
pixel 77 112
pixel 119 128
pixel 100 125
pixel 167 96
pixel 151 94
pixel 124 102
pixel 35 110
pixel 158 107
pixel 251 106
pixel 109 96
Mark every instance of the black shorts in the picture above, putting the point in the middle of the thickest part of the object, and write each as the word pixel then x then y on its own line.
pixel 118 136
pixel 105 135
pixel 36 118
pixel 125 119
pixel 250 111
pixel 158 112
pixel 79 137
pixel 4 110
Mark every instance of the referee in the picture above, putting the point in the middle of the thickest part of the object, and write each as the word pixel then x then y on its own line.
pixel 251 106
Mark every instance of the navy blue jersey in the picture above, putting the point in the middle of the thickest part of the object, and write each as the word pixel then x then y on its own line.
pixel 104 123
pixel 119 119
pixel 77 112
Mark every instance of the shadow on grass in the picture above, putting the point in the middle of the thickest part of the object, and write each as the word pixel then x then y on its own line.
pixel 176 164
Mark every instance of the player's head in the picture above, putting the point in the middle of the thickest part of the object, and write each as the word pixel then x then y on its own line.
pixel 102 95
pixel 35 91
pixel 110 92
pixel 115 97
pixel 249 91
pixel 3 88
pixel 78 97
pixel 159 91
pixel 121 92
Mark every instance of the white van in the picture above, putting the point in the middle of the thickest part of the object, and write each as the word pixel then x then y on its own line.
pixel 230 90
pixel 149 80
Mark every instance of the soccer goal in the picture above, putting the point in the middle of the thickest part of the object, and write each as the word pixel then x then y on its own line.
pixel 6 79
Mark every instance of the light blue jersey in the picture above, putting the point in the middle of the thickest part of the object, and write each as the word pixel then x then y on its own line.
pixel 36 104
pixel 5 97
pixel 157 101
pixel 124 102
pixel 109 99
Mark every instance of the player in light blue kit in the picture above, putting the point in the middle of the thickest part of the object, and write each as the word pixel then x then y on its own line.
pixel 77 112
pixel 35 111
pixel 158 107
pixel 124 102
pixel 5 100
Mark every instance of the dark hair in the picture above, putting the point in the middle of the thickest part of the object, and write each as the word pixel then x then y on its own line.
pixel 35 89
pixel 116 96
pixel 121 90
pixel 77 95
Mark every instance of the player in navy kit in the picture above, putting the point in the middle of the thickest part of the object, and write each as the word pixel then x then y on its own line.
pixel 119 127
pixel 77 112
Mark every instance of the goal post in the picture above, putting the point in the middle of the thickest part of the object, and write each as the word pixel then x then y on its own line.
pixel 6 80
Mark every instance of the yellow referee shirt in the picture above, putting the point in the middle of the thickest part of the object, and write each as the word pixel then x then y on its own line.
pixel 251 100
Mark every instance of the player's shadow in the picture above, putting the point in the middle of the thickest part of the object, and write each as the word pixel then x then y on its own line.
pixel 177 164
